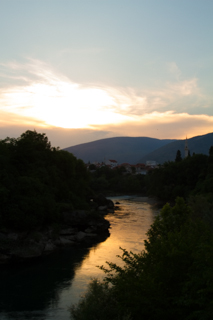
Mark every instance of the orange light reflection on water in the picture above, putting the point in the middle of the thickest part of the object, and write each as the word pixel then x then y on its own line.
pixel 128 231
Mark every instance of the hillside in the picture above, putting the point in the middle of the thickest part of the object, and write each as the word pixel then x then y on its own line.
pixel 139 149
pixel 122 149
pixel 198 144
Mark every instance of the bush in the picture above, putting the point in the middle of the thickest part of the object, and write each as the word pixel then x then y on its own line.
pixel 171 279
pixel 98 303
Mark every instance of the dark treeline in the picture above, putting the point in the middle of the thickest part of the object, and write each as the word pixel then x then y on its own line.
pixel 191 176
pixel 38 182
pixel 117 180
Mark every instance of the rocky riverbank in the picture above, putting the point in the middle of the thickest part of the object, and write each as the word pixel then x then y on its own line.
pixel 76 227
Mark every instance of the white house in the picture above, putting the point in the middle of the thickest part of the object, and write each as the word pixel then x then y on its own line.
pixel 111 163
pixel 151 163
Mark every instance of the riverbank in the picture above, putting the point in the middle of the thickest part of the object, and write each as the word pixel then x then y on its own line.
pixel 44 288
pixel 79 227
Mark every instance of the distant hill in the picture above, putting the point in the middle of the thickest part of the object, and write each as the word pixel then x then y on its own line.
pixel 198 144
pixel 139 149
pixel 122 149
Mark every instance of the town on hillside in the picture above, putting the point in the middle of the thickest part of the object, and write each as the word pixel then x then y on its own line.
pixel 139 168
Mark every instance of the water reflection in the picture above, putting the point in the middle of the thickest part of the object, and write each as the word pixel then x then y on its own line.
pixel 30 288
pixel 45 290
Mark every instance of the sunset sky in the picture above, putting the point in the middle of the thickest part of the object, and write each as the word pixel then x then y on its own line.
pixel 82 70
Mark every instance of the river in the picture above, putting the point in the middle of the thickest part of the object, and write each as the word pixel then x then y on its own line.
pixel 45 289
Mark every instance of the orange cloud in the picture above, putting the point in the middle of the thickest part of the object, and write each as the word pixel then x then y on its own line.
pixel 167 125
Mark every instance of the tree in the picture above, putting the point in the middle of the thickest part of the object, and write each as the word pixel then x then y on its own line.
pixel 38 181
pixel 178 156
pixel 211 151
pixel 133 169
pixel 181 178
pixel 92 166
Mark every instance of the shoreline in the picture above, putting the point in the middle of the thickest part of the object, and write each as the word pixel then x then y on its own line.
pixel 78 227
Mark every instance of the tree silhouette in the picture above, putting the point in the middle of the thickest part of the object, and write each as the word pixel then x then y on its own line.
pixel 178 156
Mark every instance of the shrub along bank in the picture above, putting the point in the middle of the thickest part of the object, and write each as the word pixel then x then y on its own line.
pixel 171 279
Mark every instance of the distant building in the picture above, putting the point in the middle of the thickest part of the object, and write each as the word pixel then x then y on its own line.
pixel 111 163
pixel 151 163
pixel 186 149
pixel 140 168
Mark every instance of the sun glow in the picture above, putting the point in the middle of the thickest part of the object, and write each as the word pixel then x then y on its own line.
pixel 64 105
pixel 43 98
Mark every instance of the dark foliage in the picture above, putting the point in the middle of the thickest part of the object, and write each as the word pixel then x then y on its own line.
pixel 182 177
pixel 178 156
pixel 117 180
pixel 38 181
pixel 193 175
pixel 171 279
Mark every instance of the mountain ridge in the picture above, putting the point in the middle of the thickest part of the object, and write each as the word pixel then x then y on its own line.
pixel 139 149
pixel 197 144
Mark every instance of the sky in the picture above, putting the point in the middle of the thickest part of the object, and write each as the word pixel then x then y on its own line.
pixel 83 70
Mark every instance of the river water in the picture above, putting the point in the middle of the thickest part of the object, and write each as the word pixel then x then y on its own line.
pixel 46 289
